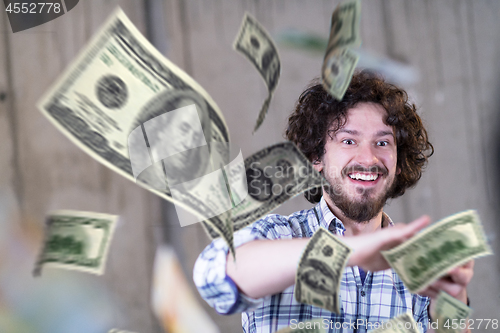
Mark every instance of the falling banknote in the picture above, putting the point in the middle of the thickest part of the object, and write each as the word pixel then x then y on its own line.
pixel 320 270
pixel 273 175
pixel 133 110
pixel 450 314
pixel 339 62
pixel 77 241
pixel 431 254
pixel 255 43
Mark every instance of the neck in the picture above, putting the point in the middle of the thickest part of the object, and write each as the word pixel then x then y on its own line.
pixel 352 227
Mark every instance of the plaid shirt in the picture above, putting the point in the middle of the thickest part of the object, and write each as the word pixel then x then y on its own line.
pixel 363 306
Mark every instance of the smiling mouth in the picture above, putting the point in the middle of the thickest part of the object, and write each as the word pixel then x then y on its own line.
pixel 364 177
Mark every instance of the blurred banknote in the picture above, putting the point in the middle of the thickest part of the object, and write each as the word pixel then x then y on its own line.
pixel 450 314
pixel 431 254
pixel 133 110
pixel 403 323
pixel 339 62
pixel 77 241
pixel 337 71
pixel 320 270
pixel 115 330
pixel 174 304
pixel 308 326
pixel 273 175
pixel 255 43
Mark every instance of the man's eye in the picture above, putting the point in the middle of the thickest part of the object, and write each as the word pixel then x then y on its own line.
pixel 348 141
pixel 382 143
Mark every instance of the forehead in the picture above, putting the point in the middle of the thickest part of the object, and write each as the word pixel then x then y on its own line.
pixel 366 118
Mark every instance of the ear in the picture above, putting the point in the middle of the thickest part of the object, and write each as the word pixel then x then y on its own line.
pixel 318 165
pixel 398 171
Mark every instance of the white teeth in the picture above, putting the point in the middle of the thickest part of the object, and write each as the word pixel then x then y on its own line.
pixel 362 176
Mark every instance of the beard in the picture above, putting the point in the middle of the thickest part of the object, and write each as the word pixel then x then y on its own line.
pixel 363 208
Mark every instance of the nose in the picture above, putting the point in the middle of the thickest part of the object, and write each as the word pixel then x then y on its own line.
pixel 366 155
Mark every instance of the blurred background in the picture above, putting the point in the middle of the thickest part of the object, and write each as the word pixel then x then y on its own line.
pixel 445 53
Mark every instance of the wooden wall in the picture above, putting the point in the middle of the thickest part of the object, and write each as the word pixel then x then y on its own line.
pixel 453 44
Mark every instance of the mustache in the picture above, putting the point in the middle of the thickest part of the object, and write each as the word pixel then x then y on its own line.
pixel 359 168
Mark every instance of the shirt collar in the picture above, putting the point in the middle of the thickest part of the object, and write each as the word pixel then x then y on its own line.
pixel 330 222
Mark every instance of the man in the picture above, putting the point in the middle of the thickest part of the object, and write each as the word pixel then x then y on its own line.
pixel 370 147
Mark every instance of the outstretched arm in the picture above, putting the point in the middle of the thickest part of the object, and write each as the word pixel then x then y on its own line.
pixel 267 267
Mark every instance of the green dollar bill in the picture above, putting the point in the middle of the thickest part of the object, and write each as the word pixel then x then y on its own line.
pixel 131 109
pixel 450 314
pixel 320 270
pixel 339 62
pixel 255 43
pixel 273 175
pixel 447 244
pixel 77 241
pixel 344 29
pixel 337 72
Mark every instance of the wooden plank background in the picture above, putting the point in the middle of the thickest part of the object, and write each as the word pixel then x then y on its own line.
pixel 453 44
pixel 45 171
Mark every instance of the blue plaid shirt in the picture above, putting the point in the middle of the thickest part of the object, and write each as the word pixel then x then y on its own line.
pixel 363 306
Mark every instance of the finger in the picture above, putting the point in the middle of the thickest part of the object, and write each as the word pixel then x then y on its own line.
pixel 430 291
pixel 416 225
pixel 407 231
pixel 451 288
pixel 462 274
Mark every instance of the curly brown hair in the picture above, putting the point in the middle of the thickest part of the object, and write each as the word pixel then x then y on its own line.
pixel 317 113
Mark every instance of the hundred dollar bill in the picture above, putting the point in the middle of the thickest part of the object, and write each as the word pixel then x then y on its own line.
pixel 255 43
pixel 133 110
pixel 308 326
pixel 77 241
pixel 320 271
pixel 403 323
pixel 340 61
pixel 431 254
pixel 337 71
pixel 274 175
pixel 450 314
pixel 344 29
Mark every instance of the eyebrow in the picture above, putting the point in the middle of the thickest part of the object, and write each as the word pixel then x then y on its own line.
pixel 354 132
pixel 348 131
pixel 384 133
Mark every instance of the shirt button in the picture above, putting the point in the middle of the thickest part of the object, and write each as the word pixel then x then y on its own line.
pixel 363 293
